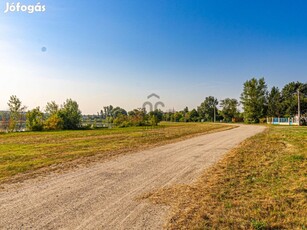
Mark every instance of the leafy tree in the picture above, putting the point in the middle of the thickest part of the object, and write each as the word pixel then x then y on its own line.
pixel 71 115
pixel 35 120
pixel 207 109
pixel 158 114
pixel 137 117
pixel 289 98
pixel 193 115
pixel 52 108
pixel 178 116
pixel 185 114
pixel 122 121
pixel 168 116
pixel 254 100
pixel 229 109
pixel 16 111
pixel 274 103
pixel 107 111
pixel 115 112
pixel 154 120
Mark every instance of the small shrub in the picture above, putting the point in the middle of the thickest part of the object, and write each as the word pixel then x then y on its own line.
pixel 53 123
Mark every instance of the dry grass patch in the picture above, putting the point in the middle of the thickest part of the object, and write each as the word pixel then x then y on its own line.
pixel 38 152
pixel 259 185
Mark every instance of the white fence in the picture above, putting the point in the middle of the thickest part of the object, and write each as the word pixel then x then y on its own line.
pixel 283 121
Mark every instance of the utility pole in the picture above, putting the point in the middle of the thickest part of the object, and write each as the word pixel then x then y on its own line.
pixel 298 107
pixel 214 114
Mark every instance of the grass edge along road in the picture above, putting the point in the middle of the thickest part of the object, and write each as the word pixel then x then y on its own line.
pixel 24 155
pixel 259 185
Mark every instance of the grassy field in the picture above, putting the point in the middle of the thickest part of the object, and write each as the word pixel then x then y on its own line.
pixel 27 152
pixel 260 185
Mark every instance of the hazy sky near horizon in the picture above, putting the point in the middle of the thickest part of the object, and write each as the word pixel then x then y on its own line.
pixel 101 52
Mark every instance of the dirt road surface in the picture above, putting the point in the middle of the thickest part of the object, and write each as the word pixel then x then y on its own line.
pixel 103 196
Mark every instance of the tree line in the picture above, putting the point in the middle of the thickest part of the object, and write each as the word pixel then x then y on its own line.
pixel 55 117
pixel 256 100
pixel 259 102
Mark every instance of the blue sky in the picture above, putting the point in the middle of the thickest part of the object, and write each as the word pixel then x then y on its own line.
pixel 117 52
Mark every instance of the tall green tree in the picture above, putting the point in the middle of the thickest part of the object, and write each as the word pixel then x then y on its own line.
pixel 16 112
pixel 229 109
pixel 254 101
pixel 71 115
pixel 208 108
pixel 274 103
pixel 290 98
pixel 52 108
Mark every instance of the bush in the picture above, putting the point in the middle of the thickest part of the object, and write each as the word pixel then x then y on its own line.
pixel 54 123
pixel 120 119
pixel 125 124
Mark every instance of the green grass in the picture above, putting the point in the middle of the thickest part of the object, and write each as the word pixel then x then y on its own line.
pixel 260 185
pixel 27 152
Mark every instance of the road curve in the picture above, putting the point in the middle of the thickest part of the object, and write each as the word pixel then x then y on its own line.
pixel 103 196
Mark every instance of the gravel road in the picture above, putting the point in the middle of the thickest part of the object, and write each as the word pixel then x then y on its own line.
pixel 103 196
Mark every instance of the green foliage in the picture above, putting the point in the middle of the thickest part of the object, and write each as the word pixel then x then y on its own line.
pixel 15 105
pixel 71 115
pixel 178 116
pixel 107 111
pixel 154 120
pixel 207 109
pixel 35 120
pixel 137 117
pixel 54 122
pixel 257 104
pixel 229 109
pixel 16 110
pixel 117 112
pixel 120 119
pixel 158 114
pixel 290 98
pixel 274 103
pixel 254 100
pixel 258 225
pixel 193 115
pixel 52 108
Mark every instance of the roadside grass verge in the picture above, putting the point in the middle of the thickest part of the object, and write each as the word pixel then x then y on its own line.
pixel 27 152
pixel 262 184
